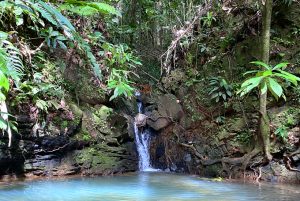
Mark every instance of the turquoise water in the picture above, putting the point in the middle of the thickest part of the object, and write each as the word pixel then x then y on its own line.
pixel 143 187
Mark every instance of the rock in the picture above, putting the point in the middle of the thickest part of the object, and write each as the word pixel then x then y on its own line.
pixel 103 160
pixel 140 120
pixel 169 107
pixel 158 122
pixel 187 158
pixel 296 158
pixel 168 111
pixel 277 172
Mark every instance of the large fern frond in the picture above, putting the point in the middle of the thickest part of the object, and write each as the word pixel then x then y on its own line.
pixel 14 67
pixel 62 20
pixel 53 16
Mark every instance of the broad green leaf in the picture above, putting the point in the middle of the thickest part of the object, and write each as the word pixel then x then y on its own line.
pixel 263 88
pixel 289 75
pixel 3 124
pixel 260 63
pixel 4 82
pixel 274 87
pixel 267 73
pixel 224 96
pixel 12 125
pixel 249 84
pixel 229 93
pixel 252 81
pixel 215 95
pixel 213 90
pixel 280 66
pixel 249 72
pixel 288 78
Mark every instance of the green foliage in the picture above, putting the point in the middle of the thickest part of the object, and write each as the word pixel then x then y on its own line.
pixel 119 56
pixel 43 13
pixel 208 19
pixel 244 137
pixel 86 136
pixel 11 64
pixel 220 119
pixel 119 82
pixel 84 8
pixel 219 89
pixel 282 132
pixel 268 79
pixel 121 61
pixel 296 31
pixel 6 124
pixel 42 94
pixel 54 38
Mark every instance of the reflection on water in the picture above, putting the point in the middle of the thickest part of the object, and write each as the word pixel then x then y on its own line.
pixel 144 187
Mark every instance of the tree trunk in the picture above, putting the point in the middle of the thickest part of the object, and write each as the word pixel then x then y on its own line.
pixel 132 19
pixel 264 122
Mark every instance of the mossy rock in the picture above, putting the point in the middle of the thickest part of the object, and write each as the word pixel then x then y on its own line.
pixel 104 125
pixel 94 161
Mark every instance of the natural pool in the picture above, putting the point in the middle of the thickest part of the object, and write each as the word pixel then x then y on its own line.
pixel 142 187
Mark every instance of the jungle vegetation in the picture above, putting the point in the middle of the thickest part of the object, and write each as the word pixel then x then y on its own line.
pixel 130 42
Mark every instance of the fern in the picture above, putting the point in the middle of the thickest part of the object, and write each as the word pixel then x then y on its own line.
pixel 39 11
pixel 50 13
pixel 14 67
pixel 45 13
pixel 61 20
pixel 10 66
pixel 84 46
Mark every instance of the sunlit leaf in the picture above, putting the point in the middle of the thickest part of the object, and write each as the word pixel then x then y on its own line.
pixel 275 88
pixel 260 63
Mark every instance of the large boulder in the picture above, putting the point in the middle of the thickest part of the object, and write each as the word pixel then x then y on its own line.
pixel 103 124
pixel 168 111
pixel 102 159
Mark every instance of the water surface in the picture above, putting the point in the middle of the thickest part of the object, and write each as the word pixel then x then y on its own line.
pixel 144 187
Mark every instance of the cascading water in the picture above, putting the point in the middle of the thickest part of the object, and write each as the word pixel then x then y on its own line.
pixel 142 140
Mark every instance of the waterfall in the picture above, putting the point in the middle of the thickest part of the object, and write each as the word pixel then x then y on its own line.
pixel 142 140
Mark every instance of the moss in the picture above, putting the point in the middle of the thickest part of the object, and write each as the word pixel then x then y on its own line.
pixel 64 124
pixel 99 161
pixel 103 112
pixel 77 112
pixel 85 156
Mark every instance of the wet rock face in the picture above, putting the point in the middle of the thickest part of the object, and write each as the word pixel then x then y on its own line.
pixel 90 140
pixel 11 159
